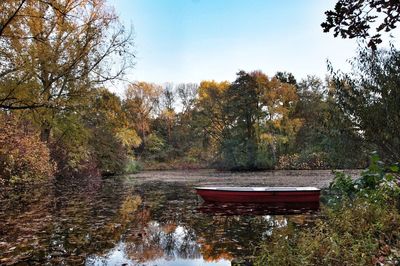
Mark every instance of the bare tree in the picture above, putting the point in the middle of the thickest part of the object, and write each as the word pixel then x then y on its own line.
pixel 187 93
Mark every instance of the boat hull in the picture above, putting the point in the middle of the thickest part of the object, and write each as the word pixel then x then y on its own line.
pixel 275 197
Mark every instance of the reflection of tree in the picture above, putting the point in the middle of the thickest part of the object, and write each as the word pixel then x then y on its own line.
pixel 227 237
pixel 157 241
pixel 213 237
pixel 64 222
pixel 67 223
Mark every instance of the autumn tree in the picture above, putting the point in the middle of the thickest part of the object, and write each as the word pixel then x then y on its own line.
pixel 243 110
pixel 279 126
pixel 10 10
pixel 189 134
pixel 113 136
pixel 140 104
pixel 210 115
pixel 248 122
pixel 187 93
pixel 354 19
pixel 53 53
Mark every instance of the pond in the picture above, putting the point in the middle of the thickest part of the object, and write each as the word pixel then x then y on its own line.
pixel 129 221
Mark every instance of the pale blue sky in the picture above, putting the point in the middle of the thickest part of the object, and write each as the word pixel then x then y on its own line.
pixel 193 40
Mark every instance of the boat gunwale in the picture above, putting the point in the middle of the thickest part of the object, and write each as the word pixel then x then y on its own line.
pixel 259 189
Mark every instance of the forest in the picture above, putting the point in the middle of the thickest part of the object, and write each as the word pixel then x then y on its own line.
pixel 60 121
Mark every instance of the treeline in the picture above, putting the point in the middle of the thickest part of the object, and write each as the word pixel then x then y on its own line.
pixel 252 123
pixel 257 122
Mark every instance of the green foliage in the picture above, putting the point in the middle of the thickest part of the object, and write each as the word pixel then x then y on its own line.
pixel 23 157
pixel 350 19
pixel 256 122
pixel 132 166
pixel 326 138
pixel 378 184
pixel 69 143
pixel 356 233
pixel 370 98
pixel 155 148
pixel 109 154
pixel 112 137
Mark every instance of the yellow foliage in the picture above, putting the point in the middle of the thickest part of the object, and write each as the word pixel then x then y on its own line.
pixel 129 206
pixel 128 137
pixel 211 89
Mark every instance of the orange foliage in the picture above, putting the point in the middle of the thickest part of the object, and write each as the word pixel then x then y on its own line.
pixel 23 157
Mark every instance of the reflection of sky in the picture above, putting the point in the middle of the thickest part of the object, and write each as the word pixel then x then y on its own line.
pixel 117 256
pixel 182 262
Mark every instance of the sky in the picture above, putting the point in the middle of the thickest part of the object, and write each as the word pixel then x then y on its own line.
pixel 193 40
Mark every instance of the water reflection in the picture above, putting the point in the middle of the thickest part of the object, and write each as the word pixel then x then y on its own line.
pixel 120 221
pixel 225 209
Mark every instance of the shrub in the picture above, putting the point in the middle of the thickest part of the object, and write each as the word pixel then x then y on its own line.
pixel 357 233
pixel 108 152
pixel 23 157
pixel 132 166
pixel 360 225
pixel 379 183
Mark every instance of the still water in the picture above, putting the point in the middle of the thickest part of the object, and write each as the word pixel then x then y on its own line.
pixel 123 221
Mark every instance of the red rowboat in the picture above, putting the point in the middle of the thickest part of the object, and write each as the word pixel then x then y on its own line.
pixel 260 194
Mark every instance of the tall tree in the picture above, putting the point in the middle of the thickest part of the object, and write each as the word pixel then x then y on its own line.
pixel 258 120
pixel 210 115
pixel 54 52
pixel 370 97
pixel 244 112
pixel 187 93
pixel 326 136
pixel 140 104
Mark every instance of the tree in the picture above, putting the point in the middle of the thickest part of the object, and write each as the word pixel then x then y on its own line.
pixel 280 125
pixel 210 115
pixel 112 137
pixel 244 112
pixel 326 137
pixel 351 19
pixel 9 12
pixel 370 98
pixel 53 53
pixel 187 93
pixel 286 77
pixel 254 117
pixel 140 105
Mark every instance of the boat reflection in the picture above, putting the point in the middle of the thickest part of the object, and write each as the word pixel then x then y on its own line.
pixel 281 208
